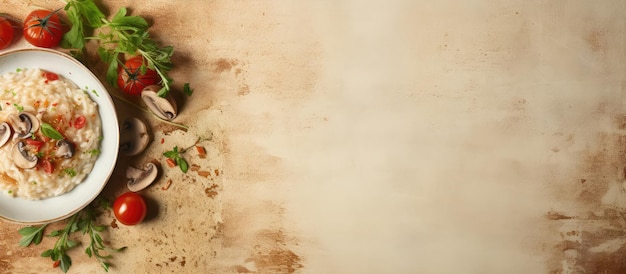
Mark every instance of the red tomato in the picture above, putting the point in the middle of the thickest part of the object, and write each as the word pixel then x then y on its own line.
pixel 36 144
pixel 42 28
pixel 170 162
pixel 80 122
pixel 130 208
pixel 6 33
pixel 131 80
pixel 47 166
pixel 50 76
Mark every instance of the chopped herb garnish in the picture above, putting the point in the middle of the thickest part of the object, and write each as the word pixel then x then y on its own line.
pixel 95 92
pixel 18 107
pixel 70 171
pixel 18 69
pixel 93 152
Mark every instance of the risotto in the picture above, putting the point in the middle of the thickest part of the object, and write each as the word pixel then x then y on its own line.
pixel 49 134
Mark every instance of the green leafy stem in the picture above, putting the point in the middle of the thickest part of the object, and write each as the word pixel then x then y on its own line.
pixel 84 222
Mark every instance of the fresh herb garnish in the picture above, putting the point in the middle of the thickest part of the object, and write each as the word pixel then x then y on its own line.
pixel 83 221
pixel 18 107
pixel 123 34
pixel 50 132
pixel 176 155
pixel 69 171
pixel 31 235
pixel 93 152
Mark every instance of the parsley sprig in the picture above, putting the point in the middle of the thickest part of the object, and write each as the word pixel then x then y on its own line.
pixel 85 222
pixel 123 34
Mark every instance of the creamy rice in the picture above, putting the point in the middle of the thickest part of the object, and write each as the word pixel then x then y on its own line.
pixel 59 103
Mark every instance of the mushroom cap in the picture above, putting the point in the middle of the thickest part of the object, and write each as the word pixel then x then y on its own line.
pixel 134 136
pixel 65 149
pixel 21 157
pixel 164 108
pixel 139 179
pixel 26 124
pixel 5 133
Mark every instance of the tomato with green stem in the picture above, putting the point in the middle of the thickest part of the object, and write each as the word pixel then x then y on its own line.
pixel 43 28
pixel 130 208
pixel 6 32
pixel 134 76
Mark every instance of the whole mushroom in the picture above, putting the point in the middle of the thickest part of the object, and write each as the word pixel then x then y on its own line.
pixel 134 137
pixel 163 107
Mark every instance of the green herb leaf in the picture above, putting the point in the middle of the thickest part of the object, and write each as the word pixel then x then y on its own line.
pixel 31 234
pixel 170 154
pixel 66 262
pixel 46 253
pixel 70 172
pixel 184 166
pixel 55 233
pixel 50 132
pixel 187 90
pixel 18 107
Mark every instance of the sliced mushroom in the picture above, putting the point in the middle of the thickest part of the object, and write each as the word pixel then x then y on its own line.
pixel 65 149
pixel 5 133
pixel 164 108
pixel 139 179
pixel 134 137
pixel 25 124
pixel 21 157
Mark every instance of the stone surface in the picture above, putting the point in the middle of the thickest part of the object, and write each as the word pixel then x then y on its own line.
pixel 379 137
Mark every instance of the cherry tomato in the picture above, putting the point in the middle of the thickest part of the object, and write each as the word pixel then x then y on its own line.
pixel 6 33
pixel 130 208
pixel 131 80
pixel 42 28
pixel 80 122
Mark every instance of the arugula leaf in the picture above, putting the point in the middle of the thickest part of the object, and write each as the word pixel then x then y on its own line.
pixel 50 132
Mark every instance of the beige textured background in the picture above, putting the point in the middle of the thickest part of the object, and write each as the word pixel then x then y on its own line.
pixel 381 137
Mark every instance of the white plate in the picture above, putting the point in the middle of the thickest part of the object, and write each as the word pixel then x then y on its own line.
pixel 23 211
